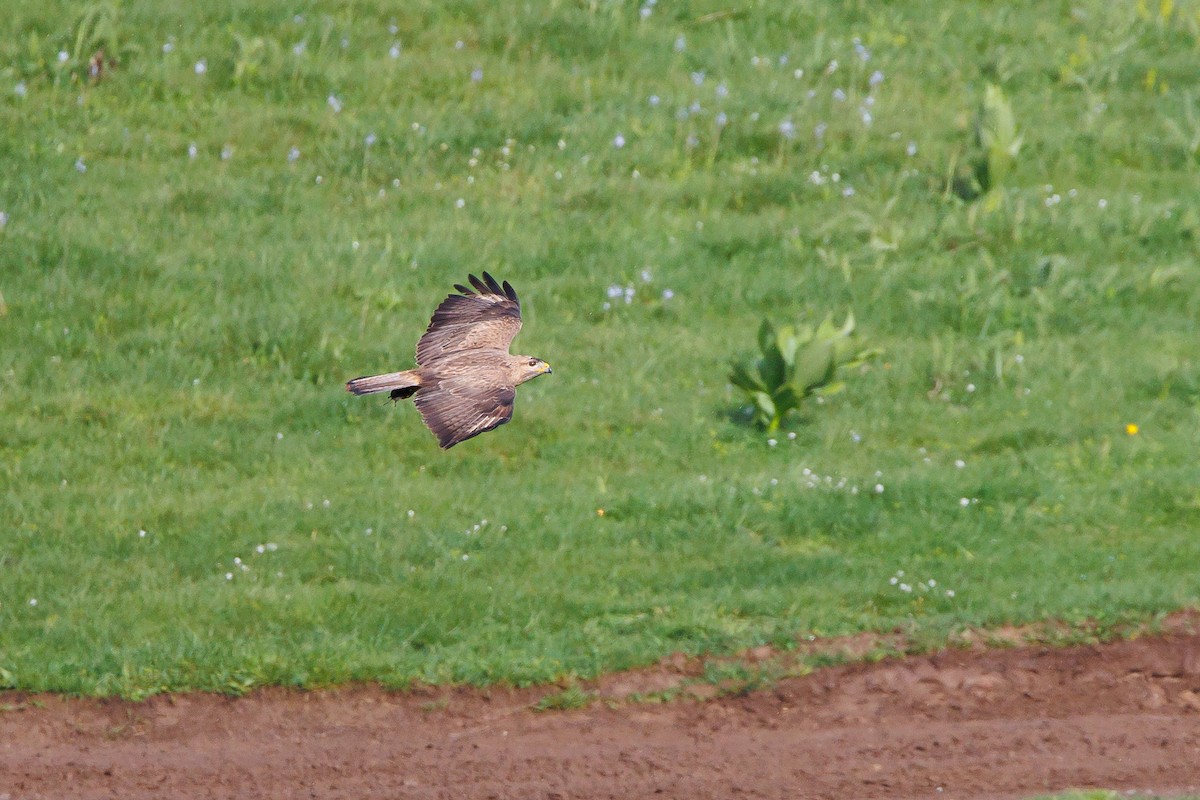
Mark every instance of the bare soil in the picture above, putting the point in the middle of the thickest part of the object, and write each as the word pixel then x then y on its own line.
pixel 968 722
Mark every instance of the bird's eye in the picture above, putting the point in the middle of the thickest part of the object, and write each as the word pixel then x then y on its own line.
pixel 533 362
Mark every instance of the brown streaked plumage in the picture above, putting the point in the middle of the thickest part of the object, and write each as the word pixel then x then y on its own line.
pixel 465 380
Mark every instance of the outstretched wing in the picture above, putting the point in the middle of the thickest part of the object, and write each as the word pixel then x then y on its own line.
pixel 488 317
pixel 462 406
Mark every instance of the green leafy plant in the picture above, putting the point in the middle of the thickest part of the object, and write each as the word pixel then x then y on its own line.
pixel 998 143
pixel 796 362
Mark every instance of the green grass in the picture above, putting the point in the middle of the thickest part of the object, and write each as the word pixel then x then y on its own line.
pixel 175 332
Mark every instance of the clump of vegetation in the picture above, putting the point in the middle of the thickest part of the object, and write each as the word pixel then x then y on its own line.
pixel 998 144
pixel 572 697
pixel 796 362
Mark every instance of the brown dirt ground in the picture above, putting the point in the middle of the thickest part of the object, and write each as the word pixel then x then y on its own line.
pixel 967 722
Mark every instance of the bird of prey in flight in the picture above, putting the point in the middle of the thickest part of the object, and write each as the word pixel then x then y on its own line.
pixel 465 380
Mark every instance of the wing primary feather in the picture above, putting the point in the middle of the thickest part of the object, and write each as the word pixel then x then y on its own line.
pixel 480 286
pixel 492 286
pixel 458 287
pixel 511 293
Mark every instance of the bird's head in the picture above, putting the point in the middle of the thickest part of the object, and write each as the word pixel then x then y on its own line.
pixel 529 368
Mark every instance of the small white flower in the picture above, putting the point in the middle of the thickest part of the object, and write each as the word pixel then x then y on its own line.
pixel 771 442
pixel 618 141
pixel 3 218
pixel 1102 204
pixel 477 75
pixel 698 77
pixel 279 436
pixel 787 129
pixel 655 100
pixel 964 502
pixel 260 549
pixel 792 435
pixel 879 488
pixel 293 154
pixel 831 67
pixel 839 95
pixel 911 150
pixel 680 43
pixel 411 513
pixel 459 45
pixel 949 593
pixel 667 294
pixel 722 90
pixel 63 55
pixel 465 557
pixel 228 576
pixel 970 388
pixel 394 51
pixel 193 151
pixel 866 117
pixel 904 587
pixel 19 90
pixel 299 47
pixel 819 130
pixel 33 601
pixel 876 78
pixel 334 103
pixel 168 47
pixel 80 166
pixel 798 74
pixel 370 139
pixel 325 503
pixel 848 191
pixel 460 203
pixel 227 152
pixel 893 580
pixel 958 462
pixel 141 534
pixel 721 120
pixel 201 66
pixel 645 12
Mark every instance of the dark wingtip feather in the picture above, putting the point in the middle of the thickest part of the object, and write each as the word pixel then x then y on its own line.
pixel 480 286
pixel 511 292
pixel 458 287
pixel 492 285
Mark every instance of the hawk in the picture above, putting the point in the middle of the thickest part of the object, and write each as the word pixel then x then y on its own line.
pixel 465 380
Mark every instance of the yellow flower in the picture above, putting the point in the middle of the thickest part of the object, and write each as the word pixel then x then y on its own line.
pixel 1131 429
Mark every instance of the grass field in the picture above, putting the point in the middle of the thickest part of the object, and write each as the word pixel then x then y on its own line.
pixel 259 201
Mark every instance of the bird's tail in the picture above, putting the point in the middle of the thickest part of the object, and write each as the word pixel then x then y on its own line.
pixel 400 384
